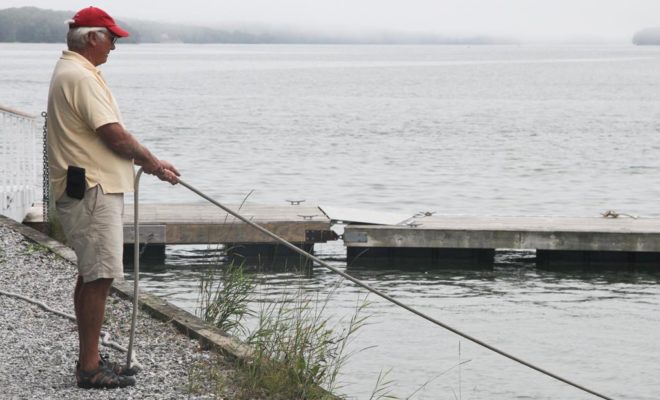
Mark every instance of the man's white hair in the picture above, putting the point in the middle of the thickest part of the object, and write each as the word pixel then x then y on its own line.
pixel 77 38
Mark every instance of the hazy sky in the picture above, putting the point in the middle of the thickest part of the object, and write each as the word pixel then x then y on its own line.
pixel 525 19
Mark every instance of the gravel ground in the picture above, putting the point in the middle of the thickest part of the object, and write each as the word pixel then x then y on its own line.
pixel 38 349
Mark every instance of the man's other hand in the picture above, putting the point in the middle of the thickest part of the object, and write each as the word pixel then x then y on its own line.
pixel 167 172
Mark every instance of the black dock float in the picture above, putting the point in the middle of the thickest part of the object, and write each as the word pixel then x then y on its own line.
pixel 590 261
pixel 419 258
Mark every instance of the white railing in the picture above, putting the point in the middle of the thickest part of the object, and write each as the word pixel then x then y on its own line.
pixel 19 166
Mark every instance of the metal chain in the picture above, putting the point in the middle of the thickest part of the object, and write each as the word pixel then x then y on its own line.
pixel 46 183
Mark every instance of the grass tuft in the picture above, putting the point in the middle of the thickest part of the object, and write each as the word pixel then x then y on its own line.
pixel 298 351
pixel 224 300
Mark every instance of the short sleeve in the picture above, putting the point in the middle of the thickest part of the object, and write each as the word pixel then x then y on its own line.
pixel 94 103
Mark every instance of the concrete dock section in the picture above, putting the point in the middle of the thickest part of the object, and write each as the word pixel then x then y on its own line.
pixel 471 241
pixel 205 223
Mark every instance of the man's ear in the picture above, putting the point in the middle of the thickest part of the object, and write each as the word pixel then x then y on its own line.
pixel 92 38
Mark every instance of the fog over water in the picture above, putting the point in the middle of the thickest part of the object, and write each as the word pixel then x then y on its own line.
pixel 558 20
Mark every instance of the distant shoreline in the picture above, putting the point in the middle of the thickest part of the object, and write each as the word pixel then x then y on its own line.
pixel 647 37
pixel 14 20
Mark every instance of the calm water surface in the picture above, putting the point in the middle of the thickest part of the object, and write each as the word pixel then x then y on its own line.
pixel 483 130
pixel 598 329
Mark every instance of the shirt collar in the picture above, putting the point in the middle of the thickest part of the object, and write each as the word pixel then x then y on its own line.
pixel 76 57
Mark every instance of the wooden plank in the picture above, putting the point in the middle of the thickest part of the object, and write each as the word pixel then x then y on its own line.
pixel 205 213
pixel 201 223
pixel 294 232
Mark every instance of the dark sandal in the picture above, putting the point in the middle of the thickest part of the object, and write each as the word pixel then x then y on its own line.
pixel 117 368
pixel 102 378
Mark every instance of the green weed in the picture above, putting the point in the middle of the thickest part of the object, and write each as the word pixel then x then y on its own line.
pixel 32 248
pixel 383 387
pixel 224 301
pixel 297 349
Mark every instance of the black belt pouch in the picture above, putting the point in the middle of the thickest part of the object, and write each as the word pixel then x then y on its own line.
pixel 75 182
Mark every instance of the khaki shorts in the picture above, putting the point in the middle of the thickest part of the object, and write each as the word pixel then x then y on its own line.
pixel 94 229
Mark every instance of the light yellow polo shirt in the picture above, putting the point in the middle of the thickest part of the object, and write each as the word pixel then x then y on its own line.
pixel 79 102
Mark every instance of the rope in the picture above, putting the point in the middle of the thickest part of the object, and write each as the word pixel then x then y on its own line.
pixel 614 214
pixel 105 336
pixel 387 297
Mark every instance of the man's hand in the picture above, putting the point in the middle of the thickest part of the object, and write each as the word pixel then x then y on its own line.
pixel 166 172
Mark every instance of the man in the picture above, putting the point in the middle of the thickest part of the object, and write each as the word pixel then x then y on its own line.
pixel 91 167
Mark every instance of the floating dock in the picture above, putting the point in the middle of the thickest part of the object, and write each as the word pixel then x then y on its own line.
pixel 204 223
pixel 430 240
pixel 387 240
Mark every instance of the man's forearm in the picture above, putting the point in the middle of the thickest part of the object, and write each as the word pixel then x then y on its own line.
pixel 124 144
pixel 142 156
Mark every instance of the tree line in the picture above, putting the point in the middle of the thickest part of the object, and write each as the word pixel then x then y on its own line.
pixel 36 25
pixel 33 25
pixel 648 36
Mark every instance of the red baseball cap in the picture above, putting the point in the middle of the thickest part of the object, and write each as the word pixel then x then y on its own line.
pixel 95 17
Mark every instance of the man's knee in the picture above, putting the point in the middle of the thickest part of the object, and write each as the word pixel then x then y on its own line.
pixel 98 285
pixel 102 282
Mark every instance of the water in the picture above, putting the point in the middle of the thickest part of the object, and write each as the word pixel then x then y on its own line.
pixel 483 130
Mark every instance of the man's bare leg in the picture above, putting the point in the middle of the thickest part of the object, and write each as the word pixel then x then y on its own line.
pixel 76 306
pixel 90 310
